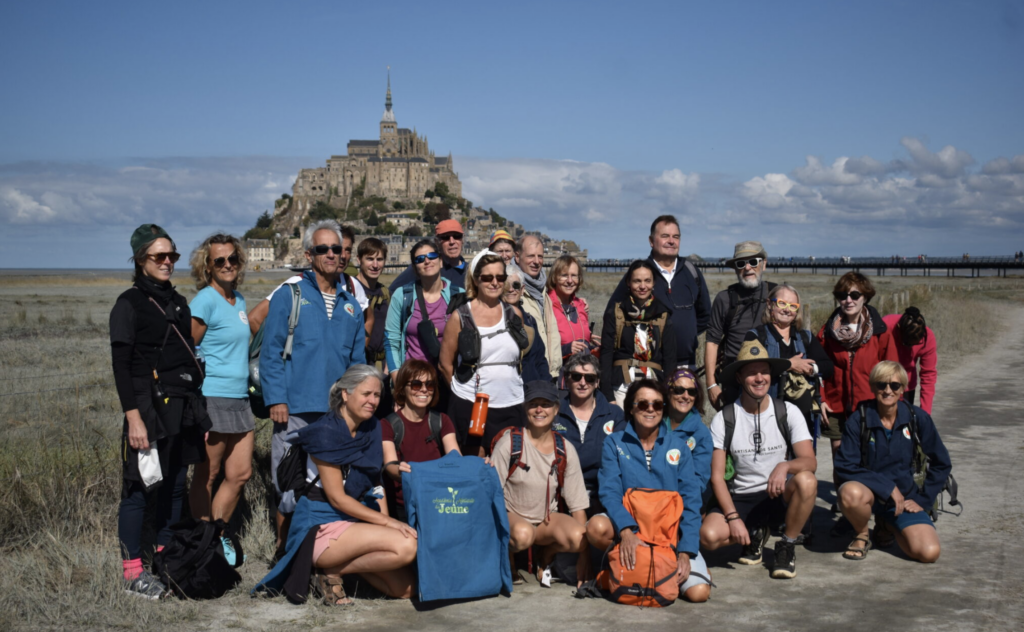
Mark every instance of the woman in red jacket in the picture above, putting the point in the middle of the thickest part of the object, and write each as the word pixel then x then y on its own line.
pixel 856 339
pixel 564 282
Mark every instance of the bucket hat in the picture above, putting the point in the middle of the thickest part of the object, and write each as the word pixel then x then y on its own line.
pixel 747 250
pixel 753 351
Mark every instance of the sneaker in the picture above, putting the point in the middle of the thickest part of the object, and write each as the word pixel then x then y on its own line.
pixel 147 586
pixel 752 553
pixel 785 560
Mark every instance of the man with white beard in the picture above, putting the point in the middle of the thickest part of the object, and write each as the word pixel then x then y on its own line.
pixel 736 310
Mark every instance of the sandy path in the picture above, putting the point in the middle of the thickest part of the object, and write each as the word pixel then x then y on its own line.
pixel 976 584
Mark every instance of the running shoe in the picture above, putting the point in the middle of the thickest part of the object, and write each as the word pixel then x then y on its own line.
pixel 785 560
pixel 147 586
pixel 752 553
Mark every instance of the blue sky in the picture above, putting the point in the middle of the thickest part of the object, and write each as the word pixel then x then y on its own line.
pixel 861 128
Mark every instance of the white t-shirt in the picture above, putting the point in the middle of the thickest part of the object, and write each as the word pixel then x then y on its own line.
pixel 670 273
pixel 753 467
pixel 360 293
pixel 501 382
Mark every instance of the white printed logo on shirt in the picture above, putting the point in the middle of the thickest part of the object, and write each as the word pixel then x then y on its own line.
pixel 351 311
pixel 243 317
pixel 608 427
pixel 672 457
pixel 906 432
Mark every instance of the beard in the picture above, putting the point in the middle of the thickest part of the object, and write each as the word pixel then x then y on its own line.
pixel 750 284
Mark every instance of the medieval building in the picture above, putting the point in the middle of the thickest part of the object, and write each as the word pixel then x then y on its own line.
pixel 399 166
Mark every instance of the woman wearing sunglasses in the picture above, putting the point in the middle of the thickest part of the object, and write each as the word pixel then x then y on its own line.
pixel 782 333
pixel 221 328
pixel 535 362
pixel 879 476
pixel 855 338
pixel 482 353
pixel 637 336
pixel 416 306
pixel 646 454
pixel 685 403
pixel 157 378
pixel 414 433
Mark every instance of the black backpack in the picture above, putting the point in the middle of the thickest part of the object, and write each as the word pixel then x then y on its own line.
pixel 433 420
pixel 729 417
pixel 192 565
pixel 291 473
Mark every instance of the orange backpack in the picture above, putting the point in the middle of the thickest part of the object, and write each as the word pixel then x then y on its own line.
pixel 652 581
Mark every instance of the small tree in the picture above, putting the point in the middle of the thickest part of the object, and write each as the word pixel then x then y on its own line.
pixel 373 219
pixel 265 220
pixel 429 193
pixel 413 231
pixel 441 190
pixel 398 206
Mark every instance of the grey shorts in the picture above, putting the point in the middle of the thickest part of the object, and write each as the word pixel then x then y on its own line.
pixel 279 447
pixel 698 573
pixel 230 415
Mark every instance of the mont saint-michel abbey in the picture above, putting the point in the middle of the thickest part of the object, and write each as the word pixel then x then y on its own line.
pixel 398 166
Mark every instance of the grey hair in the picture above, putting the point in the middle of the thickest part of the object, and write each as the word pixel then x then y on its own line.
pixel 324 224
pixel 582 358
pixel 798 322
pixel 511 269
pixel 356 375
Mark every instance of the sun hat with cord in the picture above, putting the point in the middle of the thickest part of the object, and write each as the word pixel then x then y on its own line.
pixel 747 250
pixel 753 351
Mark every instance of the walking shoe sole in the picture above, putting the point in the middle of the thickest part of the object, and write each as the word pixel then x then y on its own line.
pixel 142 596
pixel 749 561
pixel 783 574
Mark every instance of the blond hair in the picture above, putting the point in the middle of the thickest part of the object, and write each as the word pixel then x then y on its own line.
pixel 766 317
pixel 200 260
pixel 885 371
pixel 561 266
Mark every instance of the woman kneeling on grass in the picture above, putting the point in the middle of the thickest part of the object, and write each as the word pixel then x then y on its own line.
pixel 880 476
pixel 531 484
pixel 339 527
pixel 646 454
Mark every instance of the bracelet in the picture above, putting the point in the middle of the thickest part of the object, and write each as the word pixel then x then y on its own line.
pixel 389 463
pixel 732 513
pixel 712 386
pixel 731 519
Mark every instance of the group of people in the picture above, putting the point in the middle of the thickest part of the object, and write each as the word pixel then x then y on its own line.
pixel 368 379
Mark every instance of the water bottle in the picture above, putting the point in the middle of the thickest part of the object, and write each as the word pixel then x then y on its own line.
pixel 478 418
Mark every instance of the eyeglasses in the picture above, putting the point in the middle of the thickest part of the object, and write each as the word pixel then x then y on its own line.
pixel 418 259
pixel 643 405
pixel 515 286
pixel 323 249
pixel 487 278
pixel 568 277
pixel 679 390
pixel 786 305
pixel 160 257
pixel 421 385
pixel 220 261
pixel 450 236
pixel 576 376
pixel 841 296
pixel 753 263
pixel 893 386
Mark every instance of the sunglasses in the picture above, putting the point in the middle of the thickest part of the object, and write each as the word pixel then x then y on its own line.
pixel 786 305
pixel 160 257
pixel 420 385
pixel 220 261
pixel 689 390
pixel 418 259
pixel 742 263
pixel 893 386
pixel 450 236
pixel 841 296
pixel 516 286
pixel 576 376
pixel 487 278
pixel 643 405
pixel 324 249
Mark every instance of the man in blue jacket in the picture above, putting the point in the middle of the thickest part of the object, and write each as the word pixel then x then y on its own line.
pixel 585 418
pixel 328 339
pixel 680 286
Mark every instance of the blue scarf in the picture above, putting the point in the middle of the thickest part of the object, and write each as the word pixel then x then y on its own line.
pixel 329 440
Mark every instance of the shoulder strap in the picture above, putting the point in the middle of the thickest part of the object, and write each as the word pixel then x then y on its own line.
pixel 434 420
pixel 734 303
pixel 293 320
pixel 915 441
pixel 515 459
pixel 729 417
pixel 398 427
pixel 782 420
pixel 386 293
pixel 865 434
pixel 561 460
pixel 693 272
pixel 422 302
pixel 620 324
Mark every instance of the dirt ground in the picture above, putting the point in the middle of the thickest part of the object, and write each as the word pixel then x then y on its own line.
pixel 976 584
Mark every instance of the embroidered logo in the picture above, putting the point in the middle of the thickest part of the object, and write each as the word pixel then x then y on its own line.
pixel 672 457
pixel 303 302
pixel 906 432
pixel 560 428
pixel 453 505
pixel 691 443
pixel 621 451
pixel 243 317
pixel 351 311
pixel 608 427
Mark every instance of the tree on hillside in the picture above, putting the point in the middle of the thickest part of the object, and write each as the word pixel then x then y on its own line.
pixel 435 213
pixel 322 210
pixel 265 220
pixel 413 231
pixel 441 190
pixel 373 219
pixel 429 193
pixel 398 206
pixel 387 228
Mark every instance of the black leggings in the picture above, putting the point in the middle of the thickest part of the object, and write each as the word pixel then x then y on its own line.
pixel 460 410
pixel 169 495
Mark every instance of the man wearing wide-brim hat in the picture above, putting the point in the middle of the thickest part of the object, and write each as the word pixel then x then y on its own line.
pixel 772 459
pixel 735 311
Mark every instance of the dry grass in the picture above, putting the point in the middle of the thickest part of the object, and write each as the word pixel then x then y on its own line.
pixel 60 479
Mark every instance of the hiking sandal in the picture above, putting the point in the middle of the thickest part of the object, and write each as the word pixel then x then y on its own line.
pixel 329 589
pixel 858 553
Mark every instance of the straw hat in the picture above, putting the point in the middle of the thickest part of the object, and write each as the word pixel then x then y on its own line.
pixel 753 351
pixel 747 250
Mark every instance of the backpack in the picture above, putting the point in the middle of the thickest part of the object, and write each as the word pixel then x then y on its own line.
pixel 651 582
pixel 192 565
pixel 515 459
pixel 729 416
pixel 398 427
pixel 620 324
pixel 259 407
pixel 918 463
pixel 730 315
pixel 469 339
